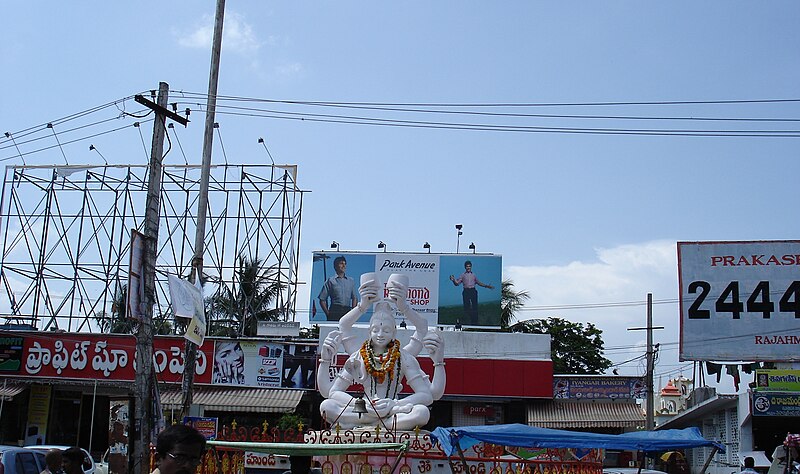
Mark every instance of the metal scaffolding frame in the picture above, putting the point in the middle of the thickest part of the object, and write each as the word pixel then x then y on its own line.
pixel 66 234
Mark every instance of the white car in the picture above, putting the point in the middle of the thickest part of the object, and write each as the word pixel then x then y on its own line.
pixel 89 466
pixel 101 467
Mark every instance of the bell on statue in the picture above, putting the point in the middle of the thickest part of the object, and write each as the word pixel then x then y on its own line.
pixel 360 406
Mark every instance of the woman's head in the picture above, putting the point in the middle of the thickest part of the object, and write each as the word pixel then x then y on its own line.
pixel 230 353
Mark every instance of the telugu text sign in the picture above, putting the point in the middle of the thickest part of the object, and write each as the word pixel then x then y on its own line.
pixel 739 300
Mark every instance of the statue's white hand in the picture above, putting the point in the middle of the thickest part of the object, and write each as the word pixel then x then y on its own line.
pixel 330 346
pixel 434 343
pixel 369 294
pixel 397 294
pixel 383 406
pixel 354 366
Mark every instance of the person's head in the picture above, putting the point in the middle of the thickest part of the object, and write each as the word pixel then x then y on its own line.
pixel 230 354
pixel 53 460
pixel 749 462
pixel 468 266
pixel 300 464
pixel 339 264
pixel 179 449
pixel 72 460
pixel 382 328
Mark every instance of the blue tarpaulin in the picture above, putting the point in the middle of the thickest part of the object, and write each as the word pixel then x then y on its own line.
pixel 531 437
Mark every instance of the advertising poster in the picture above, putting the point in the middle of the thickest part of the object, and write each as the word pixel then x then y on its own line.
pixel 739 300
pixel 10 353
pixel 118 437
pixel 248 363
pixel 207 426
pixel 776 404
pixel 300 367
pixel 38 414
pixel 611 388
pixel 777 380
pixel 469 290
pixel 470 298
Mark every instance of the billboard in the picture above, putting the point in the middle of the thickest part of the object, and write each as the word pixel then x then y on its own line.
pixel 593 387
pixel 441 288
pixel 739 300
pixel 776 404
pixel 245 363
pixel 777 380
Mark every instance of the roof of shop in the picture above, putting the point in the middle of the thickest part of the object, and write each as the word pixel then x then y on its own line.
pixel 9 390
pixel 253 400
pixel 585 414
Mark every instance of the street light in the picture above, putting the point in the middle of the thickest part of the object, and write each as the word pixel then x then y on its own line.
pixel 427 246
pixel 472 246
pixel 458 237
pixel 381 245
pixel 335 245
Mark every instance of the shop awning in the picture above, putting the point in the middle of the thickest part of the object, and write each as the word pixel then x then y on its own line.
pixel 251 400
pixel 9 390
pixel 463 437
pixel 586 414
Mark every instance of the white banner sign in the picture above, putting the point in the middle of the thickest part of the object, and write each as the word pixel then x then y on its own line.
pixel 740 300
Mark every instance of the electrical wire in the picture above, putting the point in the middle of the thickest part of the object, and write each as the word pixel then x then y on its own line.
pixel 356 120
pixel 510 104
pixel 400 108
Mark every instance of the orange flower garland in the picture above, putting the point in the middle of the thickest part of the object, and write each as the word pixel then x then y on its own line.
pixel 386 363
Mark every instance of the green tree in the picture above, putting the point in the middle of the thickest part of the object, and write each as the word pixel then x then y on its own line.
pixel 236 311
pixel 511 302
pixel 118 322
pixel 575 349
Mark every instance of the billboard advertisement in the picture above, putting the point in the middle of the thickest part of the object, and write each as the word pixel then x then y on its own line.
pixel 776 404
pixel 739 300
pixel 612 388
pixel 445 289
pixel 245 363
pixel 777 380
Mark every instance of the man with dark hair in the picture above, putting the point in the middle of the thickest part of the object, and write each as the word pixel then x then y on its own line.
pixel 341 289
pixel 72 460
pixel 54 462
pixel 470 292
pixel 179 449
pixel 750 465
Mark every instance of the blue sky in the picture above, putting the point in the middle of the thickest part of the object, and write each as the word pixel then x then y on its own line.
pixel 578 218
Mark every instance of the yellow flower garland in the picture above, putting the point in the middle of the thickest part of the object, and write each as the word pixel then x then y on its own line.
pixel 387 364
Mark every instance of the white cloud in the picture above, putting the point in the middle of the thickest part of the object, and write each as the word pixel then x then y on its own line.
pixel 289 70
pixel 238 36
pixel 592 292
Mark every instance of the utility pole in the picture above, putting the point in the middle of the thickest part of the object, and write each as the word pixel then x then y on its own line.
pixel 650 405
pixel 190 354
pixel 650 361
pixel 143 404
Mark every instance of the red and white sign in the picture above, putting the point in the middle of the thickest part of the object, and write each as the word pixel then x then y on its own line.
pixel 106 357
pixel 740 300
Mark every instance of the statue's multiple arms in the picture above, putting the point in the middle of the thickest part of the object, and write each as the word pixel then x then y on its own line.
pixel 369 295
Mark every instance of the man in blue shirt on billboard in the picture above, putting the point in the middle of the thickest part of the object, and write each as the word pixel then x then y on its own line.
pixel 341 289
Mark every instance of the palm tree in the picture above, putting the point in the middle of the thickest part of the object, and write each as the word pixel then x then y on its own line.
pixel 117 322
pixel 511 302
pixel 236 310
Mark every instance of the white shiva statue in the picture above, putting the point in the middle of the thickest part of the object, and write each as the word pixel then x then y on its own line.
pixel 380 365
